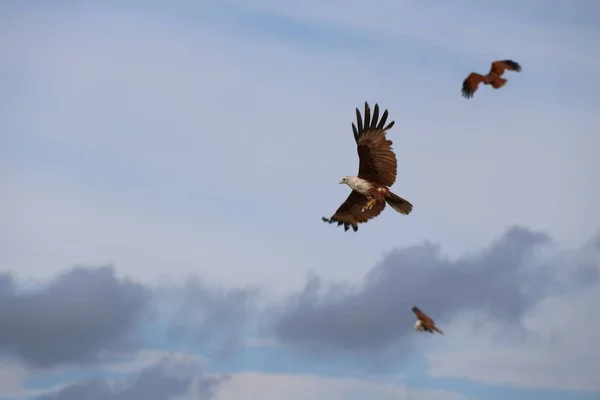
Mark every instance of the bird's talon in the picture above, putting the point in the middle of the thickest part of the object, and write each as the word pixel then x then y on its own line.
pixel 369 205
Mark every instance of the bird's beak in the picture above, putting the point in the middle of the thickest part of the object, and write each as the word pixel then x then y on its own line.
pixel 340 182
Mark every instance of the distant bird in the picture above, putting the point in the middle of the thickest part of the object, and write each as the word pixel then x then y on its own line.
pixel 424 323
pixel 376 172
pixel 492 78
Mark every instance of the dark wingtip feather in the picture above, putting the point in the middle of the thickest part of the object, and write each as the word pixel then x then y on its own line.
pixel 359 122
pixel 383 119
pixel 466 92
pixel 375 117
pixel 346 224
pixel 367 117
pixel 513 64
pixel 370 121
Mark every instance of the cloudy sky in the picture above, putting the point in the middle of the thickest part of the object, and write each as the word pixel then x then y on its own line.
pixel 165 167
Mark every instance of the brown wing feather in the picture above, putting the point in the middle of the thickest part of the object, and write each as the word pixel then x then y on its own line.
pixel 428 322
pixel 350 213
pixel 471 83
pixel 377 160
pixel 498 67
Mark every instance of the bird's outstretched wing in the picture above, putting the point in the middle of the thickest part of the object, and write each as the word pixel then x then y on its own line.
pixel 471 83
pixel 350 213
pixel 377 161
pixel 428 322
pixel 498 67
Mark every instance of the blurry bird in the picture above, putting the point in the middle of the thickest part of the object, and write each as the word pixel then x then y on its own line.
pixel 424 323
pixel 376 172
pixel 492 78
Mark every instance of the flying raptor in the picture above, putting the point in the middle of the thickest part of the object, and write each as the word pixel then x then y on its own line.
pixel 493 77
pixel 424 323
pixel 376 172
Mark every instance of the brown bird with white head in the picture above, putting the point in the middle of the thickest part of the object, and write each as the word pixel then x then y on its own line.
pixel 424 323
pixel 471 83
pixel 376 172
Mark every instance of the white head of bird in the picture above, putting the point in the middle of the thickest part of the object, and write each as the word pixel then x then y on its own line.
pixel 356 183
pixel 348 180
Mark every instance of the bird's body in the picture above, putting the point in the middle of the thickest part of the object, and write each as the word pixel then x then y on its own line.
pixel 497 83
pixel 419 326
pixel 424 323
pixel 371 190
pixel 471 83
pixel 376 173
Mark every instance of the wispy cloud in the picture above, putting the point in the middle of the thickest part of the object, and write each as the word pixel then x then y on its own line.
pixel 161 381
pixel 299 387
pixel 449 28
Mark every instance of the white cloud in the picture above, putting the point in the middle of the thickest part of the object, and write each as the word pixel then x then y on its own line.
pixel 558 353
pixel 14 375
pixel 265 386
pixel 256 385
pixel 148 357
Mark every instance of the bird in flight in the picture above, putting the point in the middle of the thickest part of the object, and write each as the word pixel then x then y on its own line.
pixel 376 172
pixel 424 323
pixel 493 77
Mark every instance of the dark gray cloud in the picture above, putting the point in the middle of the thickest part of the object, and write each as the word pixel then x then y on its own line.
pixel 87 314
pixel 502 281
pixel 162 381
pixel 75 318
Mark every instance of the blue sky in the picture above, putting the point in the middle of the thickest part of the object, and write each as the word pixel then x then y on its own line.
pixel 204 140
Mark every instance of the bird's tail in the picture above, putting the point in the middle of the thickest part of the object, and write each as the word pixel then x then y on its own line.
pixel 398 203
pixel 498 82
pixel 435 328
